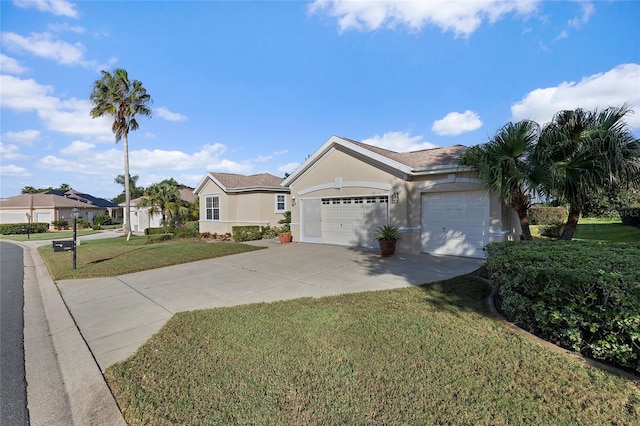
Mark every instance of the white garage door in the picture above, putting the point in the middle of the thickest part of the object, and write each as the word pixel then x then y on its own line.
pixel 455 223
pixel 352 221
pixel 346 221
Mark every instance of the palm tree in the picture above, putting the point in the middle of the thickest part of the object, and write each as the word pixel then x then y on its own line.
pixel 503 168
pixel 164 198
pixel 116 96
pixel 134 190
pixel 587 151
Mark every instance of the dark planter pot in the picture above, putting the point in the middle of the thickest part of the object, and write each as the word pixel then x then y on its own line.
pixel 285 237
pixel 387 247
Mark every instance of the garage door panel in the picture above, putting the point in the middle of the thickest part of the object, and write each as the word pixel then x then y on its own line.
pixel 455 223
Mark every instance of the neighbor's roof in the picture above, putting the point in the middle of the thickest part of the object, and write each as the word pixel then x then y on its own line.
pixel 232 182
pixel 80 196
pixel 42 200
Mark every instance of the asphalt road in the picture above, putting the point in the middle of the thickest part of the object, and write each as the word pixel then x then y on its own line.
pixel 13 386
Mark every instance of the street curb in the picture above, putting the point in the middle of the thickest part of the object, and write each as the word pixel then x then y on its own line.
pixel 89 398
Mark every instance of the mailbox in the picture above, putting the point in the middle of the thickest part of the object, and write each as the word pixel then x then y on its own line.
pixel 62 246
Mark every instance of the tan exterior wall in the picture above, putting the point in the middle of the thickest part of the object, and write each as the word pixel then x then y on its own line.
pixel 19 215
pixel 338 174
pixel 241 208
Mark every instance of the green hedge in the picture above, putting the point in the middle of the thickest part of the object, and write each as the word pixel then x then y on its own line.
pixel 630 216
pixel 580 295
pixel 543 215
pixel 246 233
pixel 23 228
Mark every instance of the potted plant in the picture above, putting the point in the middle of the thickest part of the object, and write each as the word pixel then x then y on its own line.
pixel 285 231
pixel 387 236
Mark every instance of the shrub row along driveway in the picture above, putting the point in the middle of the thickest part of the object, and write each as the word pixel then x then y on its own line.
pixel 116 315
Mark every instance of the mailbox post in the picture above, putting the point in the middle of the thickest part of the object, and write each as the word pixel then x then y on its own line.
pixel 75 214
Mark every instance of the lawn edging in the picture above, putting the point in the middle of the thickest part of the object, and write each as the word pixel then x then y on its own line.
pixel 553 347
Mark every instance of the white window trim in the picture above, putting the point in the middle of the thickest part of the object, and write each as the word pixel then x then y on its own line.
pixel 285 203
pixel 219 207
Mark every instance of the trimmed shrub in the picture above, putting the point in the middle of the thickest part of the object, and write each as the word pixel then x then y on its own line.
pixel 155 231
pixel 23 228
pixel 102 219
pixel 157 238
pixel 543 215
pixel 184 232
pixel 630 216
pixel 580 295
pixel 193 225
pixel 60 224
pixel 82 223
pixel 268 232
pixel 552 231
pixel 96 227
pixel 246 233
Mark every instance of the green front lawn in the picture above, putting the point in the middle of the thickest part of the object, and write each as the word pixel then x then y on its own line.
pixel 420 355
pixel 595 229
pixel 116 256
pixel 52 235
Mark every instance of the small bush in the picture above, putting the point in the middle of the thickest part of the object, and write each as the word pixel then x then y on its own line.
pixel 630 216
pixel 154 231
pixel 246 233
pixel 23 228
pixel 268 232
pixel 102 219
pixel 157 238
pixel 552 231
pixel 580 295
pixel 194 225
pixel 184 232
pixel 60 224
pixel 96 227
pixel 543 215
pixel 82 223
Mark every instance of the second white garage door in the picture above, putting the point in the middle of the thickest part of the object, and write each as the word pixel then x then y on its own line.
pixel 346 221
pixel 455 223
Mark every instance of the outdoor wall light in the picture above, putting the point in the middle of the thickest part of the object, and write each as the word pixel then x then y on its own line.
pixel 293 201
pixel 395 197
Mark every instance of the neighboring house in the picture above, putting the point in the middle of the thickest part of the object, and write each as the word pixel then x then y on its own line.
pixel 228 200
pixel 46 208
pixel 141 217
pixel 347 189
pixel 112 209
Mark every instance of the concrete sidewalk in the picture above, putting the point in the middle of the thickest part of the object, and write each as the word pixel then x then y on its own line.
pixel 117 315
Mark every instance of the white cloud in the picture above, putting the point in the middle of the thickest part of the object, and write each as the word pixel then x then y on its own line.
pixel 460 17
pixel 65 27
pixel 588 9
pixel 289 167
pixel 399 142
pixel 77 148
pixel 611 88
pixel 13 170
pixel 57 7
pixel 70 116
pixel 26 137
pixel 11 65
pixel 10 152
pixel 163 112
pixel 456 123
pixel 45 46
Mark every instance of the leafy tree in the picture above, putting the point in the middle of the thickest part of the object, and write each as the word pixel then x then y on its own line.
pixel 135 191
pixel 65 186
pixel 164 198
pixel 116 96
pixel 587 152
pixel 32 190
pixel 503 168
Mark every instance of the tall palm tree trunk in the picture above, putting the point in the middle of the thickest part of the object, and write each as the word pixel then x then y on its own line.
pixel 572 222
pixel 127 188
pixel 520 204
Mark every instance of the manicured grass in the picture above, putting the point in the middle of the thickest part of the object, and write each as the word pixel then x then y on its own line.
pixel 420 355
pixel 54 235
pixel 116 256
pixel 596 229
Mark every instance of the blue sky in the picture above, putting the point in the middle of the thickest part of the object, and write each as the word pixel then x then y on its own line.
pixel 250 87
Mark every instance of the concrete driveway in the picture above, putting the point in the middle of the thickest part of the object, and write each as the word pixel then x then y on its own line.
pixel 117 315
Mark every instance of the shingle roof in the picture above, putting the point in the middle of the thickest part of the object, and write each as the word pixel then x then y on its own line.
pixel 236 181
pixel 80 196
pixel 440 156
pixel 42 200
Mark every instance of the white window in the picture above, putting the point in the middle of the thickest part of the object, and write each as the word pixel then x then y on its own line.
pixel 281 203
pixel 212 207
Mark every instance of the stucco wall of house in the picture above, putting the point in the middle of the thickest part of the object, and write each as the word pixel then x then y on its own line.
pixel 240 208
pixel 338 174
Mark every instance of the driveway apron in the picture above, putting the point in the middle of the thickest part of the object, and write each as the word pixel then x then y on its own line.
pixel 117 315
